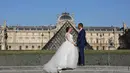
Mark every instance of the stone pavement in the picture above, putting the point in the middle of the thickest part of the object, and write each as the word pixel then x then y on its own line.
pixel 84 69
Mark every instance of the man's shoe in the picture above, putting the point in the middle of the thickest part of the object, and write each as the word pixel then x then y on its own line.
pixel 67 69
pixel 64 69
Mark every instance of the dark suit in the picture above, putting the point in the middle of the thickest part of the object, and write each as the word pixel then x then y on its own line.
pixel 81 43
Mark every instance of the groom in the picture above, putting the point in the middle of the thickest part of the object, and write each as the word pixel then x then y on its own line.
pixel 81 43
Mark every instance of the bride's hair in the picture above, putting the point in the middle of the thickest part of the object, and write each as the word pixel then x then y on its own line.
pixel 67 29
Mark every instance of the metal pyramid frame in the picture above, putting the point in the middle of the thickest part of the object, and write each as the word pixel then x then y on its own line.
pixel 55 42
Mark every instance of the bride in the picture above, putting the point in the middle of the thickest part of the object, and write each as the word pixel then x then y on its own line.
pixel 65 57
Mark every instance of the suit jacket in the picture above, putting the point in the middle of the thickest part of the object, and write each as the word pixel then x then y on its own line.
pixel 81 40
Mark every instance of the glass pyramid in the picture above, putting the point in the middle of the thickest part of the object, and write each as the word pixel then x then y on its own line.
pixel 55 42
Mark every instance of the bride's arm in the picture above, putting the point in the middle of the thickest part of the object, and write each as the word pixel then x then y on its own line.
pixel 69 39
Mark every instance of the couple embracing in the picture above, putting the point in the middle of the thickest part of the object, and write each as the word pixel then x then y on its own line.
pixel 70 53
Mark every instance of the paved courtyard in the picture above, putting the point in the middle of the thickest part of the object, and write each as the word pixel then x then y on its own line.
pixel 84 69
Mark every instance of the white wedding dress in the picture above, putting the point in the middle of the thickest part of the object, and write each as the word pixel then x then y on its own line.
pixel 65 57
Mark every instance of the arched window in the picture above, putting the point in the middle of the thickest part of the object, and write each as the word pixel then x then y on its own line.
pixel 9 46
pixel 32 46
pixel 26 46
pixel 20 47
pixel 38 46
pixel 97 41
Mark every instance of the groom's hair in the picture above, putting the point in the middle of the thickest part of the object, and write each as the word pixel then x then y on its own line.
pixel 80 24
pixel 67 29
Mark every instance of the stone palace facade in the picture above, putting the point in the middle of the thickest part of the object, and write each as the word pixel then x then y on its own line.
pixel 35 37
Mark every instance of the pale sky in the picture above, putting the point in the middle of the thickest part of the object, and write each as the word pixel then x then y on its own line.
pixel 44 12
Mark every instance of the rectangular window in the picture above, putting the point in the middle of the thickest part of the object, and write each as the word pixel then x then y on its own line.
pixel 20 38
pixel 103 34
pixel 109 34
pixel 0 47
pixel 91 34
pixel 97 47
pixel 10 37
pixel 33 37
pixel 103 47
pixel 45 37
pixel 26 37
pixel 97 34
pixel 39 37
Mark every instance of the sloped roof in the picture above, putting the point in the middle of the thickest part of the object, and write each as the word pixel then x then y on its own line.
pixel 101 28
pixel 31 27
